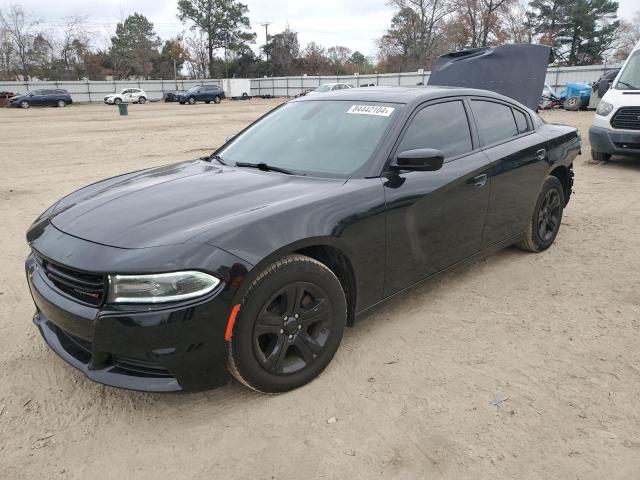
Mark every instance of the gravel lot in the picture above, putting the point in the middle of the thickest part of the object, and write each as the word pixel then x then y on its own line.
pixel 519 366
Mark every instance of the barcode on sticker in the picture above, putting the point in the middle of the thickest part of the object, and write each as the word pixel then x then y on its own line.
pixel 371 110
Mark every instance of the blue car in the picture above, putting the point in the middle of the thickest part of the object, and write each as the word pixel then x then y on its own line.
pixel 201 93
pixel 42 98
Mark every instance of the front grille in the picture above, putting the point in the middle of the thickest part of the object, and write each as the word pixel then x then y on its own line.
pixel 85 287
pixel 627 118
pixel 142 368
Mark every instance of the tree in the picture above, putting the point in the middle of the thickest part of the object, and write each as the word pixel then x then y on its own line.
pixel 134 47
pixel 198 60
pixel 627 38
pixel 19 30
pixel 339 56
pixel 283 51
pixel 163 64
pixel 359 61
pixel 415 31
pixel 222 22
pixel 314 59
pixel 579 31
pixel 482 20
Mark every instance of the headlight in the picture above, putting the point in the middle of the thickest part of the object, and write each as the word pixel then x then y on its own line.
pixel 159 288
pixel 604 109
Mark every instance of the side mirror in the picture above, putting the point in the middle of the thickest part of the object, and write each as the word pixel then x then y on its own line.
pixel 230 137
pixel 422 159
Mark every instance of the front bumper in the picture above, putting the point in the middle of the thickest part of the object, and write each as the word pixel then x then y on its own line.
pixel 614 142
pixel 159 349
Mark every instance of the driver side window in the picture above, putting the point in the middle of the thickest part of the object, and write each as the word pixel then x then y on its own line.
pixel 443 126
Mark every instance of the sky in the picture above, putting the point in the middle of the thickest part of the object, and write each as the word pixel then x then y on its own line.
pixel 353 23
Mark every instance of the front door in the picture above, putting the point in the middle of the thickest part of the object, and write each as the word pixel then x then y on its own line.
pixel 435 219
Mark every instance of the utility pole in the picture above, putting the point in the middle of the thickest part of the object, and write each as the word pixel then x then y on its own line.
pixel 175 74
pixel 266 37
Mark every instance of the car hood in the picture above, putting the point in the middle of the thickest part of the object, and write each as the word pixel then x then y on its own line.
pixel 190 201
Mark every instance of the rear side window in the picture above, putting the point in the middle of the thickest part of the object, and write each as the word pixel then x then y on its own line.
pixel 521 121
pixel 443 126
pixel 494 120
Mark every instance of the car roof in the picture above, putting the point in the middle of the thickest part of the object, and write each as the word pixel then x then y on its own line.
pixel 407 95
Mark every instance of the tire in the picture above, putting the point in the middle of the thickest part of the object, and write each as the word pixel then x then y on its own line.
pixel 546 218
pixel 207 102
pixel 61 104
pixel 192 101
pixel 181 103
pixel 142 100
pixel 217 99
pixel 270 354
pixel 117 101
pixel 25 104
pixel 572 104
pixel 600 156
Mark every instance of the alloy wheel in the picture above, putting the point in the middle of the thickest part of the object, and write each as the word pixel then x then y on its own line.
pixel 293 328
pixel 549 215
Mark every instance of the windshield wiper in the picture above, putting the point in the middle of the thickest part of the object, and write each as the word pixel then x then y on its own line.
pixel 632 87
pixel 265 167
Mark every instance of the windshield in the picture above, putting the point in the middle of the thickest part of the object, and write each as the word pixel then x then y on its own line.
pixel 193 89
pixel 630 77
pixel 325 139
pixel 324 88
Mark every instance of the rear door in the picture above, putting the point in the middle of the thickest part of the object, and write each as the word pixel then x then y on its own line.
pixel 435 219
pixel 517 156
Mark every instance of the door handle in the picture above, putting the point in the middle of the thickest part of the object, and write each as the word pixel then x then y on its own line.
pixel 541 154
pixel 480 180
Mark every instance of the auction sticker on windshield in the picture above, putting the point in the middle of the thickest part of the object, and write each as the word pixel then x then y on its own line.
pixel 371 110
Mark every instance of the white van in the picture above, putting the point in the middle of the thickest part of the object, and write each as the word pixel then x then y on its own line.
pixel 616 125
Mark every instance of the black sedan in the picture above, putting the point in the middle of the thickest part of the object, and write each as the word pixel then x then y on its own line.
pixel 253 260
pixel 173 96
pixel 42 98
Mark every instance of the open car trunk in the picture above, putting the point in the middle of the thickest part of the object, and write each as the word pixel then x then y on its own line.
pixel 515 70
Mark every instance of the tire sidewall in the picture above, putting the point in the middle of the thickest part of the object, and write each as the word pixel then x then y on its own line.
pixel 549 184
pixel 242 347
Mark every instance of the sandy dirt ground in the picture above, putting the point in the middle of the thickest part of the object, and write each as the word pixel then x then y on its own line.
pixel 519 366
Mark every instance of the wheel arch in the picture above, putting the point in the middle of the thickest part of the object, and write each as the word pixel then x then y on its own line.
pixel 326 250
pixel 565 176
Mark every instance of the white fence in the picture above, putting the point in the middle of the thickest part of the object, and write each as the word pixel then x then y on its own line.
pixel 94 91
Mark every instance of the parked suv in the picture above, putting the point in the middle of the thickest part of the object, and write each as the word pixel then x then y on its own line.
pixel 130 95
pixel 42 98
pixel 202 93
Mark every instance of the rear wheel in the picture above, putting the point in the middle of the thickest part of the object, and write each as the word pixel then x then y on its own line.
pixel 217 99
pixel 142 100
pixel 547 215
pixel 61 103
pixel 192 100
pixel 572 104
pixel 600 156
pixel 289 326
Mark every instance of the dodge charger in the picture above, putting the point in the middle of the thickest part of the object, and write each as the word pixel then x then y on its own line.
pixel 250 262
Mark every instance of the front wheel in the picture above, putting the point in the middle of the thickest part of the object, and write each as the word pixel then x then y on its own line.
pixel 117 101
pixel 547 215
pixel 192 100
pixel 600 156
pixel 25 104
pixel 217 99
pixel 289 325
pixel 61 104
